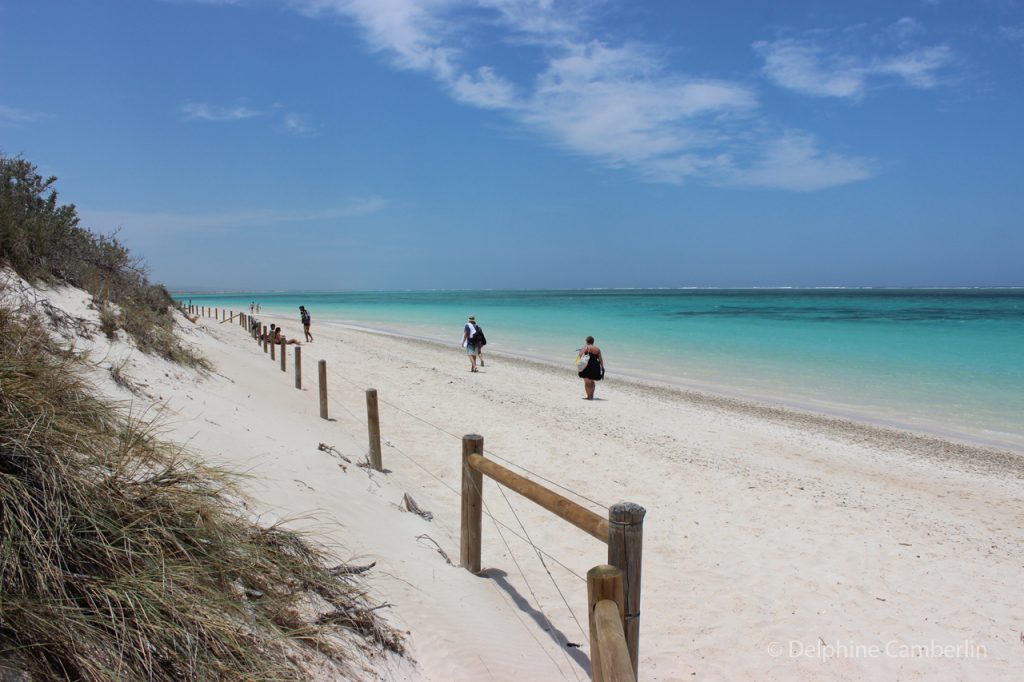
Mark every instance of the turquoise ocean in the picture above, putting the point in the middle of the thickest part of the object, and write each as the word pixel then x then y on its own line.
pixel 943 361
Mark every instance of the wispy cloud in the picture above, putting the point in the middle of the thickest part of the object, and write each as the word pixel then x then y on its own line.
pixel 146 222
pixel 296 124
pixel 824 64
pixel 13 115
pixel 794 161
pixel 1014 33
pixel 620 104
pixel 204 111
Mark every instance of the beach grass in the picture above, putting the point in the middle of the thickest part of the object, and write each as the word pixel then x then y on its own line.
pixel 122 557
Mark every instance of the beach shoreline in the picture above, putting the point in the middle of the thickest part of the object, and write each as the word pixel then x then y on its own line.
pixel 927 439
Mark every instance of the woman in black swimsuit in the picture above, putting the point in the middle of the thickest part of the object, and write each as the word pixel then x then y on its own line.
pixel 594 371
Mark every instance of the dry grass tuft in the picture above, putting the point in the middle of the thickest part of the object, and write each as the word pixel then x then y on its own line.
pixel 122 558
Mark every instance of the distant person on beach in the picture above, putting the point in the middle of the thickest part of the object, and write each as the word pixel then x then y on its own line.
pixel 480 341
pixel 257 307
pixel 469 333
pixel 594 369
pixel 252 306
pixel 306 321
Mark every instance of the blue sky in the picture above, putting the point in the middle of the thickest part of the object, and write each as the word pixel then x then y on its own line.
pixel 392 144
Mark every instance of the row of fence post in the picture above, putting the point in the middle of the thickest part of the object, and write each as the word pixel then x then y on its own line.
pixel 261 335
pixel 613 590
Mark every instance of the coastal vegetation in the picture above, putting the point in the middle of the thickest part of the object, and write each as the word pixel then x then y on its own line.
pixel 43 241
pixel 121 555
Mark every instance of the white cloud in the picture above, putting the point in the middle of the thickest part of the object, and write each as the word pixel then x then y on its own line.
pixel 802 66
pixel 296 124
pixel 821 65
pixel 920 68
pixel 212 112
pixel 794 161
pixel 615 104
pixel 905 29
pixel 183 222
pixel 15 115
pixel 619 104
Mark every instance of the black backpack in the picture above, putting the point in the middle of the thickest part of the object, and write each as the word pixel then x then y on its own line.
pixel 479 339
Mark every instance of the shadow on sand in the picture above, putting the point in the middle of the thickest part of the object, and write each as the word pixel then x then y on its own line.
pixel 499 578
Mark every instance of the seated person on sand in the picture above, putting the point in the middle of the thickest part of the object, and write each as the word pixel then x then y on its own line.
pixel 276 338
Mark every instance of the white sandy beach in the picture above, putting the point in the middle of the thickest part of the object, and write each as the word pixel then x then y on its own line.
pixel 778 545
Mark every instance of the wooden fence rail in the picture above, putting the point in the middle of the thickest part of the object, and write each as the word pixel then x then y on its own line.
pixel 622 530
pixel 609 654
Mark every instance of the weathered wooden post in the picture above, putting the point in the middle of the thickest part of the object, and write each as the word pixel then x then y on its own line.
pixel 625 552
pixel 272 347
pixel 472 504
pixel 266 338
pixel 216 313
pixel 322 367
pixel 298 367
pixel 373 428
pixel 283 353
pixel 603 582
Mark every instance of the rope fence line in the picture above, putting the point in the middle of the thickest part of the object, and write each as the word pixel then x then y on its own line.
pixel 445 431
pixel 362 422
pixel 448 532
pixel 623 526
pixel 447 485
pixel 564 645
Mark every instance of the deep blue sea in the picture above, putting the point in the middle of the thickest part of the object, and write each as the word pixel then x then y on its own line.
pixel 948 361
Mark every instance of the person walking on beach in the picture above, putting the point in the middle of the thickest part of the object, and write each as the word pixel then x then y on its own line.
pixel 306 321
pixel 469 333
pixel 591 366
pixel 252 307
pixel 480 341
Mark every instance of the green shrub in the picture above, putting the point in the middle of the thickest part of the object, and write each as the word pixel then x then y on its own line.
pixel 43 241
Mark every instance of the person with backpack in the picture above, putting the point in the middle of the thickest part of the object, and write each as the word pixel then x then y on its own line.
pixel 470 338
pixel 481 341
pixel 306 321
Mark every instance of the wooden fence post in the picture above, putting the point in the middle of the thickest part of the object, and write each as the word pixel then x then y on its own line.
pixel 472 504
pixel 298 367
pixel 625 552
pixel 322 366
pixel 265 338
pixel 373 429
pixel 283 353
pixel 603 582
pixel 272 347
